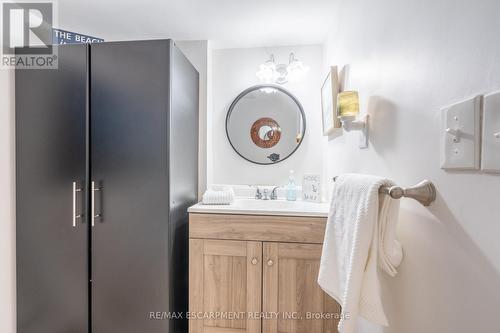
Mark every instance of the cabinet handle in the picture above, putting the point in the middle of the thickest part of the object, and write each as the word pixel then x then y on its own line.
pixel 75 216
pixel 92 203
pixel 255 261
pixel 270 262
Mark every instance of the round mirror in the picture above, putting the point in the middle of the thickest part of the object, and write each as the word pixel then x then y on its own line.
pixel 265 124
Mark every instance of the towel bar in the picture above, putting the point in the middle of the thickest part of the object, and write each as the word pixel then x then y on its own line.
pixel 424 192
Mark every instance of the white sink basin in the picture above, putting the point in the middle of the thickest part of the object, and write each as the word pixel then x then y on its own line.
pixel 265 207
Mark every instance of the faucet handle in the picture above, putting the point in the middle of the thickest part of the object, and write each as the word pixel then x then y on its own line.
pixel 258 194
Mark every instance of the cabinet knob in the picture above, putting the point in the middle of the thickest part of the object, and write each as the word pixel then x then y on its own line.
pixel 254 261
pixel 270 262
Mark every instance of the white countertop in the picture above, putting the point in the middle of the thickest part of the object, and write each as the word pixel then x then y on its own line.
pixel 265 207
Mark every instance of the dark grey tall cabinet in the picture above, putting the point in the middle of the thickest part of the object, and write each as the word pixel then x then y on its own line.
pixel 106 167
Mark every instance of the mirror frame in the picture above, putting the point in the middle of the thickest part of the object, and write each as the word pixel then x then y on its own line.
pixel 258 87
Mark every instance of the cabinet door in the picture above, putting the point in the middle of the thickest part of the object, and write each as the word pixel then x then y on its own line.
pixel 51 165
pixel 225 286
pixel 291 292
pixel 131 258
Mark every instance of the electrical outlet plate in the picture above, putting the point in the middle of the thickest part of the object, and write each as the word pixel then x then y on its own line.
pixel 490 161
pixel 460 132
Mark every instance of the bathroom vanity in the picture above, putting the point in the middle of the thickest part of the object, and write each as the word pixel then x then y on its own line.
pixel 253 267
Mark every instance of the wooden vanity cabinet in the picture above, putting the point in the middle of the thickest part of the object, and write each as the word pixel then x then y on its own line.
pixel 262 280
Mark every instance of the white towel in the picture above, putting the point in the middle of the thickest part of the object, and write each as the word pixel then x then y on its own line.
pixel 218 195
pixel 360 235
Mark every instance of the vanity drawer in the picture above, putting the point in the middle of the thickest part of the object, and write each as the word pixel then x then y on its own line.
pixel 257 228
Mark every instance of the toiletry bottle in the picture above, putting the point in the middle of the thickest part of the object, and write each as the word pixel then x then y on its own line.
pixel 291 188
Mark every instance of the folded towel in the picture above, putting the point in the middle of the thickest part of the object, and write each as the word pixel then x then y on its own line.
pixel 218 195
pixel 360 235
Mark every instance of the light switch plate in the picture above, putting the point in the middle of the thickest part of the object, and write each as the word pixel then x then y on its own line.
pixel 491 133
pixel 460 132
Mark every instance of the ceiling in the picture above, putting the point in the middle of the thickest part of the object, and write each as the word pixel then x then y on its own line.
pixel 227 23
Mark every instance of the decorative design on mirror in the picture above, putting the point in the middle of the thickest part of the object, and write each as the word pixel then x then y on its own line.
pixel 262 118
pixel 265 132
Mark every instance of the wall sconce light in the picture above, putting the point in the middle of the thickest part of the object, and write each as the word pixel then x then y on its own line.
pixel 270 72
pixel 296 69
pixel 266 72
pixel 348 111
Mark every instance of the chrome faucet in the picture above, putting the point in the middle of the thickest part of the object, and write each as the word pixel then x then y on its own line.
pixel 265 194
pixel 274 193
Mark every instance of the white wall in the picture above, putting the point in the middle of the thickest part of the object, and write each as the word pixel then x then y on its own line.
pixel 7 204
pixel 408 59
pixel 200 54
pixel 234 71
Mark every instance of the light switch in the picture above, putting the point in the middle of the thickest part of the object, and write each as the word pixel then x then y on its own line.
pixel 491 133
pixel 461 126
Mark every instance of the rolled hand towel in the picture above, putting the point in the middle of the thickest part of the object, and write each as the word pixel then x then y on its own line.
pixel 218 195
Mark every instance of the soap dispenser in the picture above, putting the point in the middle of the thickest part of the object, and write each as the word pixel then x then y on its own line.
pixel 291 188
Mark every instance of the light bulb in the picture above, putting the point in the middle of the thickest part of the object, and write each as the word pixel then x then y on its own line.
pixel 267 71
pixel 348 104
pixel 296 70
